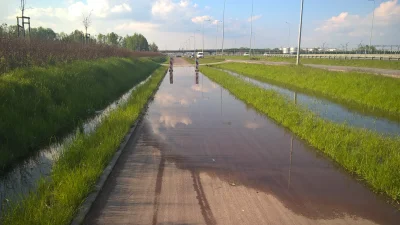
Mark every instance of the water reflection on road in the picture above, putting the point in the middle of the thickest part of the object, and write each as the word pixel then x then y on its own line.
pixel 201 127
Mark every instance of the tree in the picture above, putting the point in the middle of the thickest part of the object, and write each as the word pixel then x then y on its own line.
pixel 43 33
pixel 153 47
pixel 113 39
pixel 86 23
pixel 137 42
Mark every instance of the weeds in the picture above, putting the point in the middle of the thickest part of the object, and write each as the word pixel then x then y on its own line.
pixel 22 53
pixel 383 64
pixel 57 199
pixel 366 90
pixel 41 104
pixel 371 156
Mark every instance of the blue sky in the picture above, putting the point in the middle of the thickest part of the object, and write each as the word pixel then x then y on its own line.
pixel 170 23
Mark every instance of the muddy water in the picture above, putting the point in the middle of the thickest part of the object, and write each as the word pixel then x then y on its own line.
pixel 202 128
pixel 24 177
pixel 332 111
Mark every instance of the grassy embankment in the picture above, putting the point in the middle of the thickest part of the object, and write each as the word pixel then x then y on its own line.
pixel 364 90
pixel 373 157
pixel 382 64
pixel 39 105
pixel 205 60
pixel 160 59
pixel 73 176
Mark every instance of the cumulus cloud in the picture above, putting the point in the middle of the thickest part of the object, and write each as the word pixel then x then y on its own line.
pixel 387 14
pixel 254 18
pixel 201 19
pixel 137 26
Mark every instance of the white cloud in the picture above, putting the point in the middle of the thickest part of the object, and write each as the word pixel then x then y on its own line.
pixel 254 18
pixel 200 19
pixel 137 26
pixel 121 8
pixel 387 14
pixel 162 7
pixel 183 3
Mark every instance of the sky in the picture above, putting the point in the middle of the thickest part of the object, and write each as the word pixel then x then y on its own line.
pixel 172 23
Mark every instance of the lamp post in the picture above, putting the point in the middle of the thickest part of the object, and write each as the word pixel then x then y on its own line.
pixel 251 25
pixel 289 33
pixel 372 27
pixel 300 28
pixel 223 28
pixel 216 39
pixel 203 33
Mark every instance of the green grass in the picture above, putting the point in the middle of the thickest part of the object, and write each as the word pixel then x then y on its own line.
pixel 160 59
pixel 57 199
pixel 382 64
pixel 364 90
pixel 373 157
pixel 209 59
pixel 40 105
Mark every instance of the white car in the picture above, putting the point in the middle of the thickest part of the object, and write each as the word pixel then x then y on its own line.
pixel 246 54
pixel 200 55
pixel 266 54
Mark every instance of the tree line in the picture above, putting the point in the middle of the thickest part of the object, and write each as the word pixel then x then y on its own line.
pixel 136 42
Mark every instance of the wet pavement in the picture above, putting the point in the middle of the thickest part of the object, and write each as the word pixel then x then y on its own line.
pixel 200 156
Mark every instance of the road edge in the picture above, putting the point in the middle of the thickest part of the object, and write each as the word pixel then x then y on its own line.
pixel 91 198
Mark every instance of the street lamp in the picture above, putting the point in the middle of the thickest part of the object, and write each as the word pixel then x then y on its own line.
pixel 216 38
pixel 300 27
pixel 223 28
pixel 251 25
pixel 372 26
pixel 203 33
pixel 289 33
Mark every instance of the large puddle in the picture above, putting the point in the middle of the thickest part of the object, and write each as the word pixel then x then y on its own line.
pixel 332 111
pixel 202 128
pixel 25 176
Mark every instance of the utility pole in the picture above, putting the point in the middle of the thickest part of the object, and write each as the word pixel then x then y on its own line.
pixel 372 27
pixel 223 28
pixel 289 34
pixel 300 28
pixel 251 25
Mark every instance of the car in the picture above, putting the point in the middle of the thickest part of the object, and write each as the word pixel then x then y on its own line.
pixel 246 54
pixel 265 54
pixel 200 55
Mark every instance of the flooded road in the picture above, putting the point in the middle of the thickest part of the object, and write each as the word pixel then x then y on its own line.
pixel 332 111
pixel 200 156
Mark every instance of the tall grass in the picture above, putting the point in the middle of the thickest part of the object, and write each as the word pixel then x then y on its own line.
pixel 365 90
pixel 57 199
pixel 382 64
pixel 22 53
pixel 38 105
pixel 372 156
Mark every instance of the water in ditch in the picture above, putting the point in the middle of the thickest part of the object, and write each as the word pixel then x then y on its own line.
pixel 24 176
pixel 330 110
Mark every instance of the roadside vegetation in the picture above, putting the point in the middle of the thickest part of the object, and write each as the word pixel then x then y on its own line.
pixel 382 64
pixel 207 59
pixel 80 165
pixel 163 59
pixel 371 156
pixel 40 105
pixel 365 90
